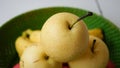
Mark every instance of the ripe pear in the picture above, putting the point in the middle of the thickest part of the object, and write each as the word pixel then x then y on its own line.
pixel 35 36
pixel 32 35
pixel 21 44
pixel 96 56
pixel 62 42
pixel 28 38
pixel 96 32
pixel 35 57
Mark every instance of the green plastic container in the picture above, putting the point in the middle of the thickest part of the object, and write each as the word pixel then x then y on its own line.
pixel 36 18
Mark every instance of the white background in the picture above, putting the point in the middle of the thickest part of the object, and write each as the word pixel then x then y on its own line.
pixel 12 8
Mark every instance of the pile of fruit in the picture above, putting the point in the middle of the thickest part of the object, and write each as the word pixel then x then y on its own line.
pixel 63 42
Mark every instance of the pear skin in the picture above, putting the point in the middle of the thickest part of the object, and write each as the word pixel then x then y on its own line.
pixel 61 42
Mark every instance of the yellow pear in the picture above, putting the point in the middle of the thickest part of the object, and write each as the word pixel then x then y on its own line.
pixel 61 40
pixel 96 32
pixel 35 36
pixel 28 38
pixel 23 42
pixel 35 57
pixel 96 56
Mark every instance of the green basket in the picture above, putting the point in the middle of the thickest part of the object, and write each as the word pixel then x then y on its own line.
pixel 36 18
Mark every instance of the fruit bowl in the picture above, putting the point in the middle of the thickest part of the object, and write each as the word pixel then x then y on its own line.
pixel 36 18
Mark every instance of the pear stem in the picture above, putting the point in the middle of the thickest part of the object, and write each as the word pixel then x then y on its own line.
pixel 88 14
pixel 66 65
pixel 46 57
pixel 94 41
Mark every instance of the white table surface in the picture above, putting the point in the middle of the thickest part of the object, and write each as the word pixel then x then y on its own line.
pixel 11 8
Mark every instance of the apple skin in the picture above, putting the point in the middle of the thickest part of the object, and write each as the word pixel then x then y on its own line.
pixel 16 65
pixel 97 59
pixel 61 42
pixel 111 64
pixel 35 57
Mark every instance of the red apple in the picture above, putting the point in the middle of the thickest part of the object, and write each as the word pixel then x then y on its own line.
pixel 16 65
pixel 110 64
